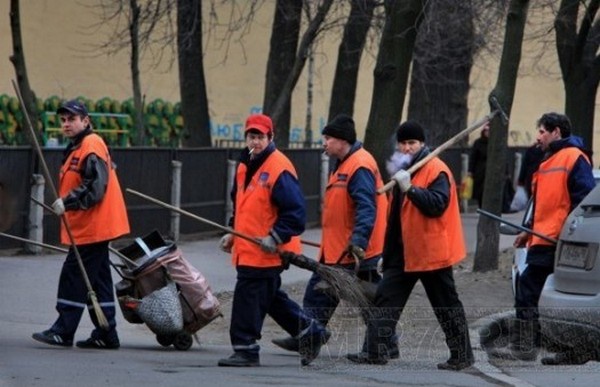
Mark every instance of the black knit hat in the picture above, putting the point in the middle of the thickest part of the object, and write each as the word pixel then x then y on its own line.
pixel 410 130
pixel 342 127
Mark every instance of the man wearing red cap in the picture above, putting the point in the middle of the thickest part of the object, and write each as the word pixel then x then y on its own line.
pixel 268 205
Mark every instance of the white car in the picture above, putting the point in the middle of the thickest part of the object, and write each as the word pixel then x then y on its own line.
pixel 569 305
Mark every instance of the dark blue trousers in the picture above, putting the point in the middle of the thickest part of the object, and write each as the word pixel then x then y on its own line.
pixel 73 294
pixel 320 305
pixel 529 288
pixel 257 293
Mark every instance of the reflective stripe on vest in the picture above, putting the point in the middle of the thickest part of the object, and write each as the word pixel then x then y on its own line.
pixel 339 211
pixel 107 219
pixel 255 215
pixel 552 200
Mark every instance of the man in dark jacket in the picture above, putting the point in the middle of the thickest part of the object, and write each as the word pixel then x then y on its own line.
pixel 268 205
pixel 423 240
pixel 477 163
pixel 562 180
pixel 353 219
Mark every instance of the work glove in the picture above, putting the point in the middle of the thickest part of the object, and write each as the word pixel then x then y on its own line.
pixel 58 206
pixel 356 252
pixel 226 243
pixel 403 179
pixel 268 244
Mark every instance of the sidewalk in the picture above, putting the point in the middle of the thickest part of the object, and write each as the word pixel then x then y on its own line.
pixel 27 304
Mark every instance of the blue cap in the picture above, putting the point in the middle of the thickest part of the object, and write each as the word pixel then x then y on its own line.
pixel 74 107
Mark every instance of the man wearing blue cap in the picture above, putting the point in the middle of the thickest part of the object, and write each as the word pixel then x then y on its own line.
pixel 91 202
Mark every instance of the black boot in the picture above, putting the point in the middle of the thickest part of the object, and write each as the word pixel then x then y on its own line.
pixel 310 342
pixel 240 359
pixel 288 343
pixel 454 324
pixel 524 342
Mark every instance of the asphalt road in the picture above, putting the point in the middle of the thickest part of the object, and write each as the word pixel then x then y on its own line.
pixel 27 299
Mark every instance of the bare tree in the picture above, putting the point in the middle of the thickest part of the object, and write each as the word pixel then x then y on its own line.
pixel 577 47
pixel 192 85
pixel 138 27
pixel 284 95
pixel 486 253
pixel 391 74
pixel 134 63
pixel 282 55
pixel 442 63
pixel 343 92
pixel 18 61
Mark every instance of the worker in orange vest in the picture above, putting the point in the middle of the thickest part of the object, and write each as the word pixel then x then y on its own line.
pixel 269 205
pixel 563 178
pixel 92 203
pixel 424 238
pixel 353 219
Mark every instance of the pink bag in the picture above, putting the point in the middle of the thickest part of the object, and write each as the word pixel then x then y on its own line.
pixel 198 303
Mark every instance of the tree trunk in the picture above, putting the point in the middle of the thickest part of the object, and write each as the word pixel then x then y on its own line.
pixel 282 53
pixel 488 237
pixel 391 75
pixel 18 61
pixel 580 107
pixel 192 85
pixel 285 94
pixel 579 64
pixel 343 91
pixel 442 65
pixel 138 103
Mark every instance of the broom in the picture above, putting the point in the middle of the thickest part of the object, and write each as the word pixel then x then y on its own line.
pixel 47 207
pixel 343 284
pixel 91 294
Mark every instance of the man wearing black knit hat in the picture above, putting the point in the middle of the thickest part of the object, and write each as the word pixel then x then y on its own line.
pixel 353 219
pixel 423 240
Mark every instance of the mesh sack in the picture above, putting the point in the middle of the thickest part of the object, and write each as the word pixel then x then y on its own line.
pixel 161 310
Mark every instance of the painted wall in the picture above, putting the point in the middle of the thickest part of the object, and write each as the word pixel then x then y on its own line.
pixel 60 39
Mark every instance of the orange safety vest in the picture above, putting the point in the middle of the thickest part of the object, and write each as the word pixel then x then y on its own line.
pixel 339 211
pixel 255 215
pixel 432 243
pixel 107 219
pixel 552 201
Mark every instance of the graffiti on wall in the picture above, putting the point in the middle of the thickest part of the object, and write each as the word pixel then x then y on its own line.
pixel 231 127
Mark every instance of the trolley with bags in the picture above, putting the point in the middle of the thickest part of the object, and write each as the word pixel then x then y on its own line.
pixel 161 289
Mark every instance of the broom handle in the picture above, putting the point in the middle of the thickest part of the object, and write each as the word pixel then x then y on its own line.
pixel 91 294
pixel 204 220
pixel 36 243
pixel 47 207
pixel 193 216
pixel 390 184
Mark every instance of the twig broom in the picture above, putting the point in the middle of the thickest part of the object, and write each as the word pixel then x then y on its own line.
pixel 343 284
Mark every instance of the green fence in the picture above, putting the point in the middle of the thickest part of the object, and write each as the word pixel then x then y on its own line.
pixel 112 119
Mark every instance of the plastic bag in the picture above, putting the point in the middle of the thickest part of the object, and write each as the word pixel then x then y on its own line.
pixel 519 202
pixel 466 188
